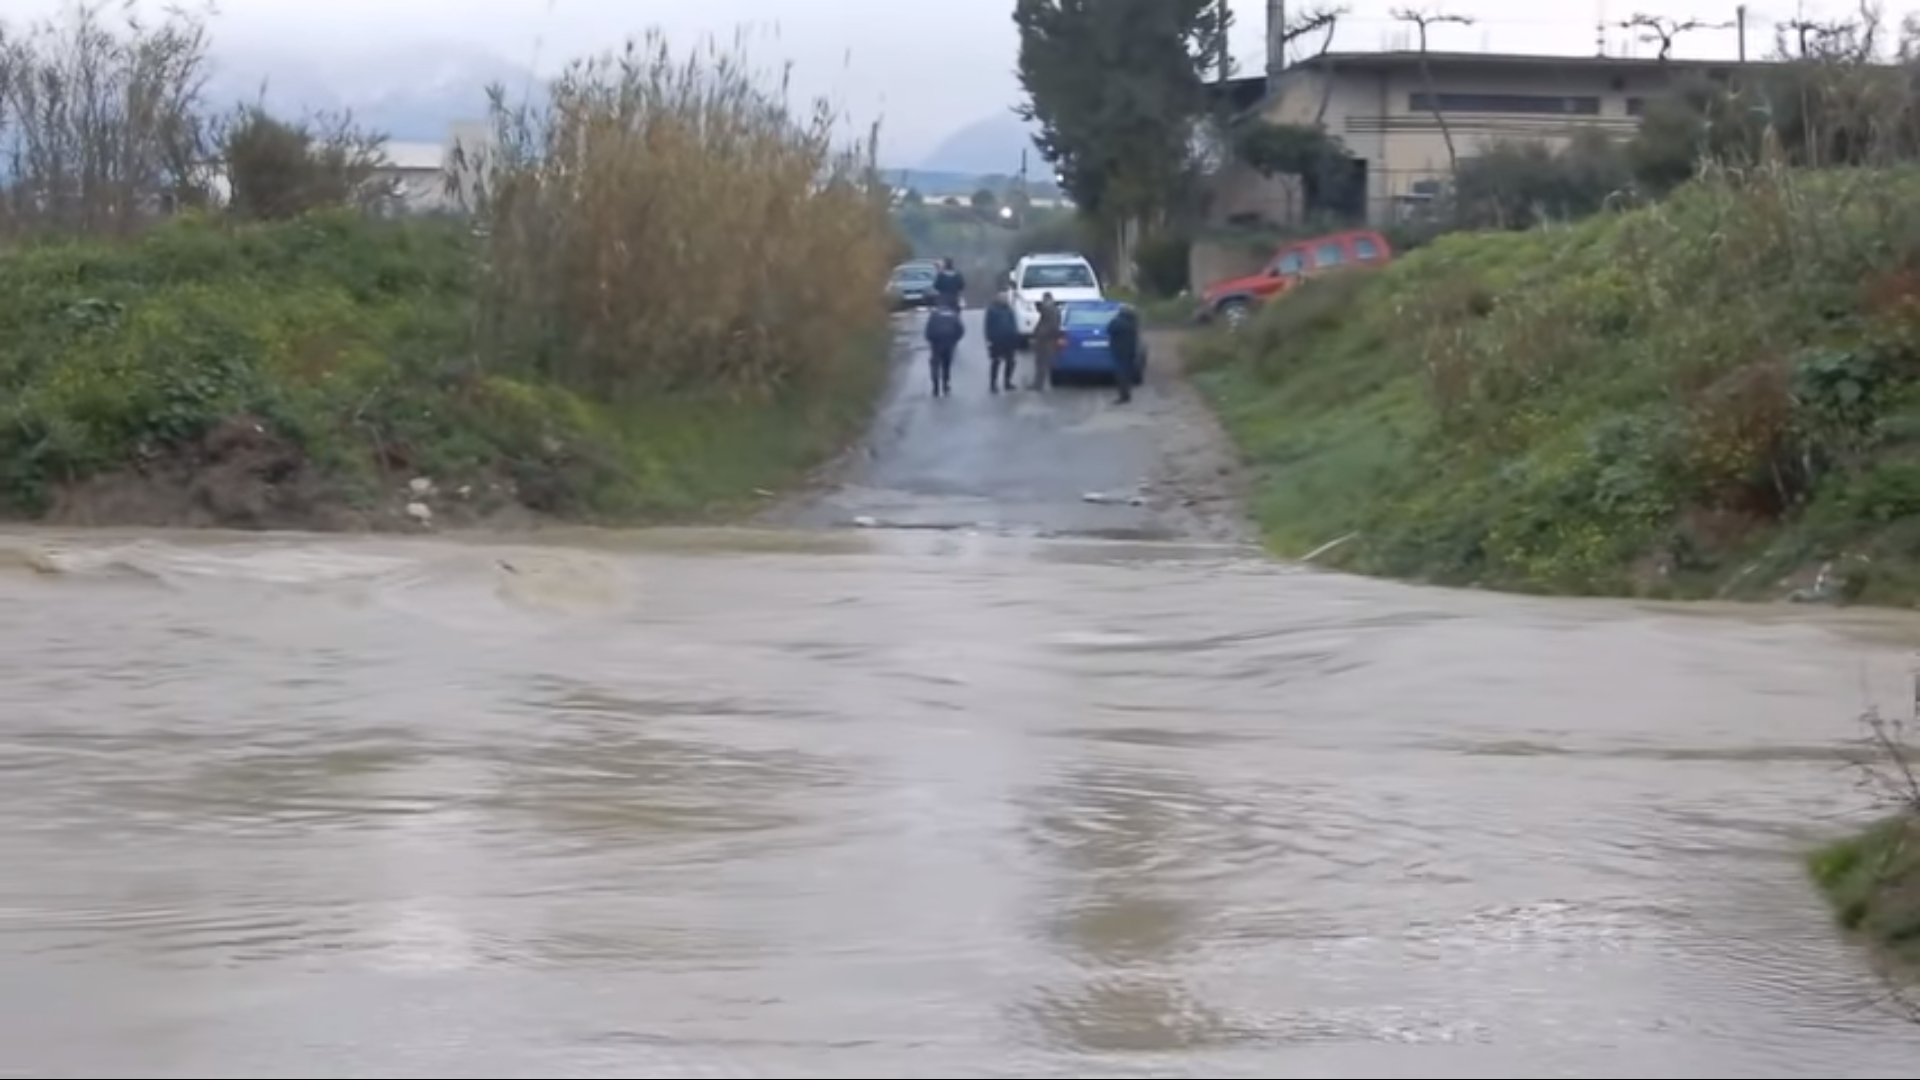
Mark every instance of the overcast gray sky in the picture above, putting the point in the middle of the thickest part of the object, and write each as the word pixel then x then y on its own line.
pixel 925 67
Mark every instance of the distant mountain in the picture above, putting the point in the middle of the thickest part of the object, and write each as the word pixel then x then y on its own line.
pixel 413 95
pixel 991 144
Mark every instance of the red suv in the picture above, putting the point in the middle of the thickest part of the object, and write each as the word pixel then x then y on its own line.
pixel 1234 299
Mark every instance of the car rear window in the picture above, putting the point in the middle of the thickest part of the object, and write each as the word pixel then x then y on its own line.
pixel 1057 276
pixel 1086 318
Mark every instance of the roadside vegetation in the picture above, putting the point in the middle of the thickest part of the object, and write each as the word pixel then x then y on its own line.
pixel 1872 878
pixel 650 307
pixel 1697 375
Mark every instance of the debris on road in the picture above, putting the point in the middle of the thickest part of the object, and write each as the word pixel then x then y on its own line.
pixel 1103 498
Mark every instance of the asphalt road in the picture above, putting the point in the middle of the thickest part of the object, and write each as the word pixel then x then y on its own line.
pixel 1062 462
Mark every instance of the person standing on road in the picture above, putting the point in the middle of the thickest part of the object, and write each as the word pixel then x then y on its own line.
pixel 1123 344
pixel 949 285
pixel 1046 341
pixel 1003 343
pixel 944 331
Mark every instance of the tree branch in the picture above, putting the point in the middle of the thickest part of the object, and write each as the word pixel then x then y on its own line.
pixel 1664 31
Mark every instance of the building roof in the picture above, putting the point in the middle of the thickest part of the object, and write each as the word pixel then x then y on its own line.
pixel 1406 58
pixel 415 155
pixel 1249 93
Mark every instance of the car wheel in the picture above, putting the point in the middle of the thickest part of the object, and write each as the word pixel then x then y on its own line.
pixel 1234 314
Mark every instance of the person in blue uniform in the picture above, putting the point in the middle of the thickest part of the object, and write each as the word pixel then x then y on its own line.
pixel 944 331
pixel 1123 343
pixel 1003 343
pixel 949 285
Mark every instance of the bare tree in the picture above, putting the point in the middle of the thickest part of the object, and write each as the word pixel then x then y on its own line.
pixel 1422 22
pixel 1320 19
pixel 1828 39
pixel 102 124
pixel 1664 31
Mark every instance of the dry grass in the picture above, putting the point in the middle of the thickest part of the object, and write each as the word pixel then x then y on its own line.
pixel 670 222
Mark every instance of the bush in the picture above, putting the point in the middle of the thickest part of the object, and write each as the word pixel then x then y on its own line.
pixel 279 169
pixel 1162 263
pixel 1871 878
pixel 1609 406
pixel 330 329
pixel 1520 184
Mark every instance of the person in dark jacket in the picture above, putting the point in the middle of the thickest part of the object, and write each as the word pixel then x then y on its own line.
pixel 944 331
pixel 1123 343
pixel 949 285
pixel 1003 343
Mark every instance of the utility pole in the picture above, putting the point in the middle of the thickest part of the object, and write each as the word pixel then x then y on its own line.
pixel 1276 43
pixel 1225 59
pixel 1023 199
pixel 1740 22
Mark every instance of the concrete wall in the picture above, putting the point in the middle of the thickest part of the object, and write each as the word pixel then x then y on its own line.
pixel 1210 261
pixel 1238 190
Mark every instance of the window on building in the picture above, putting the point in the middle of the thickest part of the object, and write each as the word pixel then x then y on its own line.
pixel 1521 104
pixel 1329 255
pixel 1636 106
pixel 1364 249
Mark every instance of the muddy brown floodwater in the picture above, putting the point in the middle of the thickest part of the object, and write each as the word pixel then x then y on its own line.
pixel 945 801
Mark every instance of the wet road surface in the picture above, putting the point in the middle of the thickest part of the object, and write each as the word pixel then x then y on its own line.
pixel 907 803
pixel 1065 462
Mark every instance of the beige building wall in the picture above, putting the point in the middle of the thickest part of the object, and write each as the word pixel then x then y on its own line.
pixel 1377 106
pixel 1239 191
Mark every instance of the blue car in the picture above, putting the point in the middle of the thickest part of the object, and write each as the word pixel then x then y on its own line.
pixel 1084 354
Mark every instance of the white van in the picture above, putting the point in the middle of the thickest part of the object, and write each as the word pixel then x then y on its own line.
pixel 1068 277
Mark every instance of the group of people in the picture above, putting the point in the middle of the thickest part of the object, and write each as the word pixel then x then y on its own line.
pixel 945 331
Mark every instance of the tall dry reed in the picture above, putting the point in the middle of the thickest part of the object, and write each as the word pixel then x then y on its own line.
pixel 670 222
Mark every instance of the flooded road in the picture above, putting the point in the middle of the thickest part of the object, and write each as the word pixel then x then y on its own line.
pixel 914 803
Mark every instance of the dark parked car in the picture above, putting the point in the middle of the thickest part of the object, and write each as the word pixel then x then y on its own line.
pixel 911 286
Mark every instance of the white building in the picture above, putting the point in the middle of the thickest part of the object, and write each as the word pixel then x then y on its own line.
pixel 442 177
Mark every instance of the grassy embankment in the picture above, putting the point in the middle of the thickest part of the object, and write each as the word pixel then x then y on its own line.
pixel 663 314
pixel 1712 396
